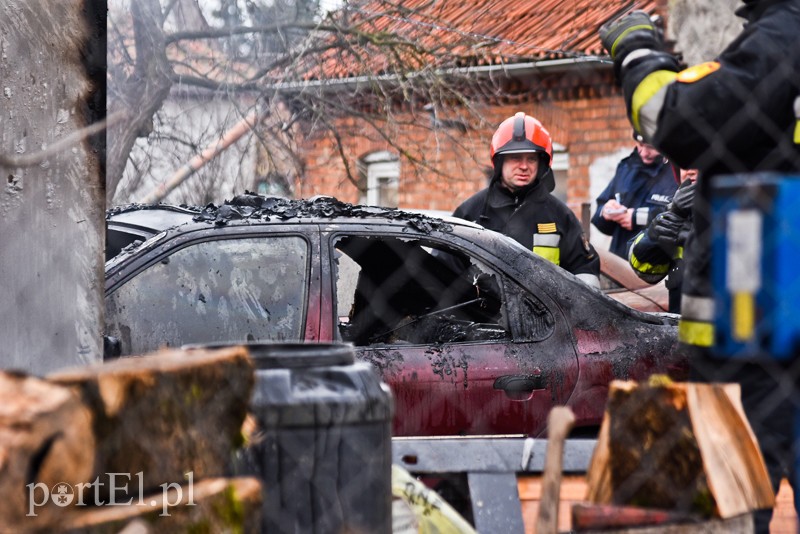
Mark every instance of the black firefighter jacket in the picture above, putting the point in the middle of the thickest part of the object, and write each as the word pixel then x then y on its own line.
pixel 538 221
pixel 738 114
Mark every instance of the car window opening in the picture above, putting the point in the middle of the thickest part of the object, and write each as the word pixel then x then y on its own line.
pixel 398 291
pixel 220 290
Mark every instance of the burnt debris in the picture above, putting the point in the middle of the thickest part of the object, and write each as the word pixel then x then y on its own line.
pixel 259 207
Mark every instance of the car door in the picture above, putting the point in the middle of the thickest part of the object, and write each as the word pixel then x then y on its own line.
pixel 464 348
pixel 202 285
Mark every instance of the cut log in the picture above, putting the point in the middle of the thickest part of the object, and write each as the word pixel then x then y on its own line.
pixel 681 447
pixel 219 505
pixel 605 516
pixel 655 522
pixel 45 438
pixel 160 416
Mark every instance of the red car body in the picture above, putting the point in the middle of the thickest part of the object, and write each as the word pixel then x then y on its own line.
pixel 473 333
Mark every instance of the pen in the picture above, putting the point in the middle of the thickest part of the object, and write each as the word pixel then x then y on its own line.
pixel 617 197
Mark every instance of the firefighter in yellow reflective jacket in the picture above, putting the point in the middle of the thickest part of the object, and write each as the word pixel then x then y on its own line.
pixel 518 202
pixel 657 251
pixel 737 114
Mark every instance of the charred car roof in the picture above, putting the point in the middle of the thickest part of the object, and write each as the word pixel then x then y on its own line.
pixel 159 217
pixel 139 222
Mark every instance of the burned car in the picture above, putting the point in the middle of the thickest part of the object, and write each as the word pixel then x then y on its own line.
pixel 473 333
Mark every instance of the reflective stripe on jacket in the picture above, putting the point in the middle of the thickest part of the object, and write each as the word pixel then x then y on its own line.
pixel 538 221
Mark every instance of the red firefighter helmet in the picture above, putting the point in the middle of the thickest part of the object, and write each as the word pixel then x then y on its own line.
pixel 521 133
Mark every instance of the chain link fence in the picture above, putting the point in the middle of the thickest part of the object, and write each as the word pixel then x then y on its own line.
pixel 474 334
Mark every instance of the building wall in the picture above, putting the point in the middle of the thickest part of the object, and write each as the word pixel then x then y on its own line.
pixel 590 123
pixel 583 111
pixel 204 119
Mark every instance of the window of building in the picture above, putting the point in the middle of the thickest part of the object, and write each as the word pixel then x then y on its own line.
pixel 560 166
pixel 380 173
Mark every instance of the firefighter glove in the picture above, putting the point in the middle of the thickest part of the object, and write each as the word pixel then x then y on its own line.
pixel 669 229
pixel 681 203
pixel 634 30
pixel 622 36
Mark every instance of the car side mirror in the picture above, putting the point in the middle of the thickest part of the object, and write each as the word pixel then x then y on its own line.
pixel 112 348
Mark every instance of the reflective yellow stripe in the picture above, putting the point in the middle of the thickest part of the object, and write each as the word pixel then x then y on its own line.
pixel 551 254
pixel 679 253
pixel 696 333
pixel 647 268
pixel 626 32
pixel 646 90
pixel 797 124
pixel 643 267
pixel 743 316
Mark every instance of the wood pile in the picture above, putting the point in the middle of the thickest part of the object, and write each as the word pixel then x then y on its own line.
pixel 682 448
pixel 146 440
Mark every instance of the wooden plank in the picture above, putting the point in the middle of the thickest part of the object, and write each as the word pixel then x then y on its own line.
pixel 588 517
pixel 485 454
pixel 574 490
pixel 735 525
pixel 599 473
pixel 559 423
pixel 784 516
pixel 737 474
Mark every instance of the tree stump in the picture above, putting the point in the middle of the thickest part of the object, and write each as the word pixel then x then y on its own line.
pixel 161 416
pixel 681 447
pixel 45 438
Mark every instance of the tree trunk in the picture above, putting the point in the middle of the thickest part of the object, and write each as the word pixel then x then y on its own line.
pixel 52 68
pixel 143 93
pixel 165 414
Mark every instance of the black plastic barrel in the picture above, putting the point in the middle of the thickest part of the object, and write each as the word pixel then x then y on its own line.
pixel 323 446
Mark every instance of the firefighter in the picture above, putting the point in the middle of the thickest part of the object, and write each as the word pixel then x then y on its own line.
pixel 737 114
pixel 518 202
pixel 657 251
pixel 641 188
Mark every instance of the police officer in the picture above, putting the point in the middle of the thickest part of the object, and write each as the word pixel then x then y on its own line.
pixel 518 202
pixel 656 252
pixel 641 188
pixel 737 114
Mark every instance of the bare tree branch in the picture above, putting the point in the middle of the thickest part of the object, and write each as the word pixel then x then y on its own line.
pixel 243 30
pixel 77 136
pixel 346 76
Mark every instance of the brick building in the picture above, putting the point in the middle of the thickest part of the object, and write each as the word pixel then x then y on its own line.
pixel 550 66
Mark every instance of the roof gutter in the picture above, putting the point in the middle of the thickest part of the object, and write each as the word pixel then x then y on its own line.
pixel 508 69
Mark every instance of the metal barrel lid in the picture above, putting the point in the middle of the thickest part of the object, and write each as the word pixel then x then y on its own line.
pixel 288 355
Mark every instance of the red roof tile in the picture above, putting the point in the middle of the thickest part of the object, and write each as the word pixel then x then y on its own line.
pixel 477 32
